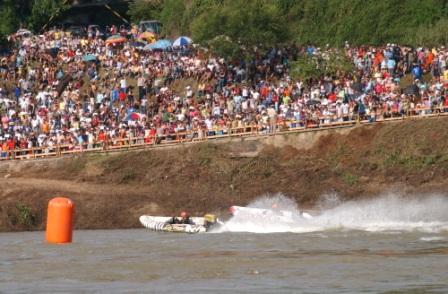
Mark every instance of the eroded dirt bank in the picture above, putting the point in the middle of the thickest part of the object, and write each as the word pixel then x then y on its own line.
pixel 111 191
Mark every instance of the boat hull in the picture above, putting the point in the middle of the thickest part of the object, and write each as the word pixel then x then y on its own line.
pixel 160 224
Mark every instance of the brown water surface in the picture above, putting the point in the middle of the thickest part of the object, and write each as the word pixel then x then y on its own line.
pixel 135 261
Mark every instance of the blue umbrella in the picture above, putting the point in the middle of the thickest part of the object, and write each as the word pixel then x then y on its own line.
pixel 161 45
pixel 89 57
pixel 182 41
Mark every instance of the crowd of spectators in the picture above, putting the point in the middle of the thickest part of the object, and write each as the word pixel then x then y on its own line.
pixel 79 92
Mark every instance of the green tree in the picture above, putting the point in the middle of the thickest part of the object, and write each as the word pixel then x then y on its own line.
pixel 307 21
pixel 173 16
pixel 8 22
pixel 316 67
pixel 145 10
pixel 43 10
pixel 224 46
pixel 248 22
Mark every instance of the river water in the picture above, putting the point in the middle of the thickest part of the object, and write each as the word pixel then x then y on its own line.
pixel 348 248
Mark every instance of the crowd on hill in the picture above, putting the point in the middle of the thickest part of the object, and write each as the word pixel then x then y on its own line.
pixel 60 89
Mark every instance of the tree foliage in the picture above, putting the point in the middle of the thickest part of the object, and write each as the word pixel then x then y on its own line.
pixel 8 21
pixel 144 10
pixel 248 22
pixel 308 21
pixel 268 22
pixel 31 14
pixel 224 46
pixel 43 10
pixel 308 67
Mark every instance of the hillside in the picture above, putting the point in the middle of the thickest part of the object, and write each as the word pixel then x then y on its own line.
pixel 264 22
pixel 111 191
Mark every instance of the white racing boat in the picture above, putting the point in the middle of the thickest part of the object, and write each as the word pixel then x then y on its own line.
pixel 163 224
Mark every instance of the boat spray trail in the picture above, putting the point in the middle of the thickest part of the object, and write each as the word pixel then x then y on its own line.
pixel 391 212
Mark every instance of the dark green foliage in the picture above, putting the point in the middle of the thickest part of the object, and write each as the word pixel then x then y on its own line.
pixel 8 21
pixel 320 22
pixel 29 14
pixel 144 10
pixel 43 10
pixel 311 67
pixel 25 216
pixel 249 22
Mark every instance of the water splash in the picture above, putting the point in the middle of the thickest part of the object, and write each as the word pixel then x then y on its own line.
pixel 391 212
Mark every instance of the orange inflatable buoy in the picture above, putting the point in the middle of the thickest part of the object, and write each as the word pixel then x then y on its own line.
pixel 60 220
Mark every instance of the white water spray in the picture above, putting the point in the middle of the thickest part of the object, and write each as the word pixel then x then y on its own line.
pixel 387 213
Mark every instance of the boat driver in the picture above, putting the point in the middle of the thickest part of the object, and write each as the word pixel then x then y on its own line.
pixel 185 218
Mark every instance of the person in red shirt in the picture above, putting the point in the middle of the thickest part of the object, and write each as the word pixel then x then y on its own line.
pixel 102 136
pixel 152 134
pixel 264 91
pixel 102 139
pixel 11 145
pixel 23 144
pixel 122 96
pixel 332 97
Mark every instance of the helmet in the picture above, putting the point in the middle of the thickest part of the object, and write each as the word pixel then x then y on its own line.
pixel 184 214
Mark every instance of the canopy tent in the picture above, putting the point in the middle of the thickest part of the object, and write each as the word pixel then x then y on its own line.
pixel 182 41
pixel 115 39
pixel 159 45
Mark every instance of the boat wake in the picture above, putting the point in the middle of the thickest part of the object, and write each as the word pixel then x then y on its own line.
pixel 388 213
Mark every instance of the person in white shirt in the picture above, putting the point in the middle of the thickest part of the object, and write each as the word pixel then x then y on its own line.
pixel 123 84
pixel 345 111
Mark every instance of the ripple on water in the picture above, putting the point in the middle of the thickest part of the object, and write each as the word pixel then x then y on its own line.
pixel 431 239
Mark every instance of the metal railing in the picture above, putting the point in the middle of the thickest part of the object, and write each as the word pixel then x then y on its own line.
pixel 200 135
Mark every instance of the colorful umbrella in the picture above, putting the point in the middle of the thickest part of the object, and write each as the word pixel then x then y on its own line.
pixel 182 41
pixel 133 116
pixel 147 36
pixel 160 45
pixel 115 39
